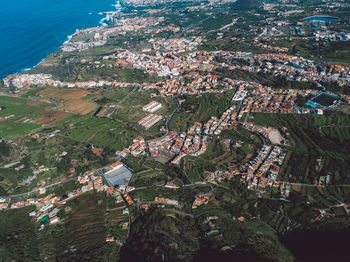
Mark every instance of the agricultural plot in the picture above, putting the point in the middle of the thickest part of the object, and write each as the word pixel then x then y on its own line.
pixel 137 164
pixel 101 132
pixel 18 115
pixel 82 235
pixel 70 100
pixel 195 168
pixel 319 145
pixel 10 129
pixel 115 217
pixel 18 237
pixel 50 117
pixel 17 108
pixel 184 195
pixel 148 178
pixel 149 194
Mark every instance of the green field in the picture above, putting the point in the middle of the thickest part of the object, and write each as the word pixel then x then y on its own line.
pixel 100 131
pixel 11 129
pixel 19 110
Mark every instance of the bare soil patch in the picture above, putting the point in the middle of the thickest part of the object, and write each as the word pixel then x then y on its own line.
pixel 38 102
pixel 50 117
pixel 70 100
pixel 65 94
pixel 274 135
pixel 79 106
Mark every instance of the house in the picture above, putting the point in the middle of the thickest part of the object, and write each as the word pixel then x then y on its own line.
pixel 110 239
pixel 97 151
pixel 116 164
pixel 110 190
pixel 241 219
pixel 125 225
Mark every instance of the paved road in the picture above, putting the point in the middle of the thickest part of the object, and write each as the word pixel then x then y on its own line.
pixel 310 185
pixel 167 209
pixel 186 185
pixel 171 115
pixel 37 190
pixel 127 96
pixel 181 213
pixel 69 69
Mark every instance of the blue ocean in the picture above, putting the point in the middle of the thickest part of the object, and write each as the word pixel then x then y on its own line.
pixel 31 29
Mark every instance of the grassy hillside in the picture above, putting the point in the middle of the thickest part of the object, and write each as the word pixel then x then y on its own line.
pixel 18 240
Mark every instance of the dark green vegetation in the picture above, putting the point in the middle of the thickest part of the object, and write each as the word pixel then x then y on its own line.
pixel 236 224
pixel 5 151
pixel 335 52
pixel 18 241
pixel 199 109
pixel 214 227
pixel 147 178
pixel 319 145
pixel 184 195
pixel 173 236
pixel 87 221
pixel 81 237
pixel 327 198
pixel 269 79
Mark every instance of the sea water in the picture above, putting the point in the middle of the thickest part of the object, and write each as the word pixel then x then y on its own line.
pixel 32 29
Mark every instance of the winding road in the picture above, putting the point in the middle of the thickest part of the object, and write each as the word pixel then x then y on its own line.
pixel 37 189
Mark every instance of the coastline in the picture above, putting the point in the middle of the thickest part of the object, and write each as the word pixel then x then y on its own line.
pixel 118 7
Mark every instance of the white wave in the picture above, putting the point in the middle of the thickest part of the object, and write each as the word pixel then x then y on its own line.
pixel 102 21
pixel 69 37
pixel 30 68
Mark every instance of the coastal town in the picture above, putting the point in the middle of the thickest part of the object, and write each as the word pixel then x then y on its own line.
pixel 201 122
